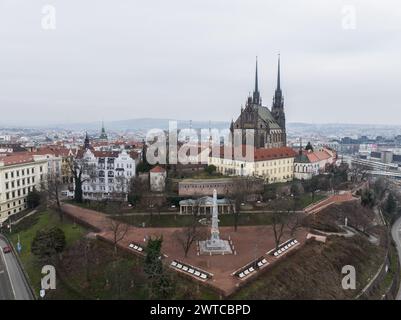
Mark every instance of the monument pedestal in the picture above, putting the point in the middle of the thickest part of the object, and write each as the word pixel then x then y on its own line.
pixel 213 247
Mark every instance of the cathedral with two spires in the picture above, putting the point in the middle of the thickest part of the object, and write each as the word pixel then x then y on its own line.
pixel 268 125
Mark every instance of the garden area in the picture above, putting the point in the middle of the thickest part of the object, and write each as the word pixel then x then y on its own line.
pixel 87 268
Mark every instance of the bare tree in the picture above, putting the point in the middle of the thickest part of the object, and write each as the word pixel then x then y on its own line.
pixel 137 188
pixel 279 222
pixel 119 230
pixel 242 188
pixel 52 186
pixel 188 235
pixel 82 170
pixel 296 220
pixel 358 172
pixel 120 190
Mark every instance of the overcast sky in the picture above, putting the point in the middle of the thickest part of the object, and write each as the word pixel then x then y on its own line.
pixel 186 59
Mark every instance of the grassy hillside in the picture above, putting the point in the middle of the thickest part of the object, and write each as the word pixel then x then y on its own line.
pixel 314 272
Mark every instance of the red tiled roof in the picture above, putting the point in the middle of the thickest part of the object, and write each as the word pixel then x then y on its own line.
pixel 157 169
pixel 16 159
pixel 262 154
pixel 105 154
pixel 63 152
pixel 317 156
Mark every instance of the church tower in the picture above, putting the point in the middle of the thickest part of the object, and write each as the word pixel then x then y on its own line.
pixel 103 135
pixel 86 142
pixel 278 101
pixel 256 99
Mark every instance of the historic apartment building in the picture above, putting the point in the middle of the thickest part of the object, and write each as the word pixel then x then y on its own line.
pixel 268 125
pixel 19 174
pixel 109 174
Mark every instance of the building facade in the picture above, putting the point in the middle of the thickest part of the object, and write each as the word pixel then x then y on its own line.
pixel 157 179
pixel 312 163
pixel 108 174
pixel 269 127
pixel 19 175
pixel 271 164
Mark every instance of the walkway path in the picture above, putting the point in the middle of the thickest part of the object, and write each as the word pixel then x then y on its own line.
pixel 334 199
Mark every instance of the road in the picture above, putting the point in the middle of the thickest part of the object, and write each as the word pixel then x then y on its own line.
pixel 396 234
pixel 13 285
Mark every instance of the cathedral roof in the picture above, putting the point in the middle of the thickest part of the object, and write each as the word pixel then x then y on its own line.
pixel 265 114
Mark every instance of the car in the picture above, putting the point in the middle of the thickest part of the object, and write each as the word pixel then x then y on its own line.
pixel 7 249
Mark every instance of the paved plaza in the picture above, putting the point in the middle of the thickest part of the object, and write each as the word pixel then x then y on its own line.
pixel 250 243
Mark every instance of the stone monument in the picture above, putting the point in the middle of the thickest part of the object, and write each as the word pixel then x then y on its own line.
pixel 215 245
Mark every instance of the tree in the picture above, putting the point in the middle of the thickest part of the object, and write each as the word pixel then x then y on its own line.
pixel 368 198
pixel 82 170
pixel 144 165
pixel 137 188
pixel 188 235
pixel 312 186
pixel 390 206
pixel 297 189
pixel 358 172
pixel 160 284
pixel 121 187
pixel 52 189
pixel 47 243
pixel 295 220
pixel 242 187
pixel 119 231
pixel 210 169
pixel 380 188
pixel 119 277
pixel 270 192
pixel 279 221
pixel 153 264
pixel 33 199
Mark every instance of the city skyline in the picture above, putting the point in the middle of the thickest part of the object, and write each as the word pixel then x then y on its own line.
pixel 112 62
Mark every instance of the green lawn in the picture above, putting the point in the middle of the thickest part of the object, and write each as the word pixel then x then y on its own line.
pixel 26 233
pixel 177 220
pixel 306 200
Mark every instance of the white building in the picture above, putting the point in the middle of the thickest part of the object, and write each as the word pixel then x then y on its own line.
pixel 157 177
pixel 109 174
pixel 311 163
pixel 271 164
pixel 19 174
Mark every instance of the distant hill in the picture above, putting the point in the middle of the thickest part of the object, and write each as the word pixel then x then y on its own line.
pixel 142 124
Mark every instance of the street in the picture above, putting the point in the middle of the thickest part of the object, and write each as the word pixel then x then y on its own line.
pixel 12 281
pixel 396 234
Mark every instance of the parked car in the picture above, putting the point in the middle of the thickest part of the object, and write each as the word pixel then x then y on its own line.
pixel 7 249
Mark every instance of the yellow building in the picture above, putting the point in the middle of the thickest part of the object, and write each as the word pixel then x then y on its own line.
pixel 271 164
pixel 19 174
